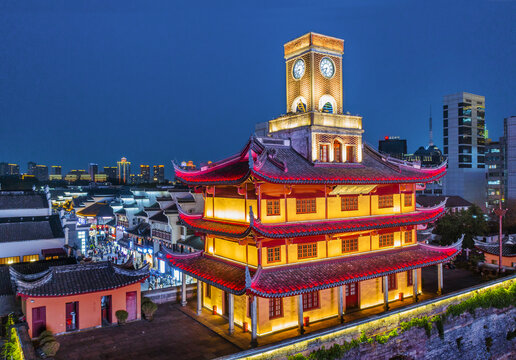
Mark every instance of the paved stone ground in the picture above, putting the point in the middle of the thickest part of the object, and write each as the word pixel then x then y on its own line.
pixel 171 335
pixel 456 279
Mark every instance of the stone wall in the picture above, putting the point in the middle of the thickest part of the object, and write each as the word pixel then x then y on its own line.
pixel 170 294
pixel 482 336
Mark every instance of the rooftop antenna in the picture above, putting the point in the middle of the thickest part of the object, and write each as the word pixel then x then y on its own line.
pixel 431 142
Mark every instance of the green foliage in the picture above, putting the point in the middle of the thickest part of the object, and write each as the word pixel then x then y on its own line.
pixel 46 339
pixel 438 321
pixel 422 322
pixel 12 347
pixel 148 309
pixel 50 348
pixel 499 297
pixel 121 316
pixel 470 222
pixel 145 299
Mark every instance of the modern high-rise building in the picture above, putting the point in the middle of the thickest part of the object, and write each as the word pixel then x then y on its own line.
pixel 110 172
pixel 123 170
pixel 13 169
pixel 31 168
pixel 3 168
pixel 56 170
pixel 9 169
pixel 495 165
pixel 158 173
pixel 41 172
pixel 464 144
pixel 510 164
pixel 145 173
pixel 393 146
pixel 93 169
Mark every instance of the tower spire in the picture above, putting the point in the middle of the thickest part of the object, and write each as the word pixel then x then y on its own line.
pixel 431 142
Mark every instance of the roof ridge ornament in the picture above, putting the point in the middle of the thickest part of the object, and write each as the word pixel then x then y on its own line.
pixel 248 279
pixel 250 159
pixel 457 245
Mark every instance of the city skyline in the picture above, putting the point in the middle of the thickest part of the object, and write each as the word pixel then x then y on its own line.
pixel 118 79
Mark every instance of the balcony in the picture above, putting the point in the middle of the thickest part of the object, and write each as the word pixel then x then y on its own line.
pixel 292 121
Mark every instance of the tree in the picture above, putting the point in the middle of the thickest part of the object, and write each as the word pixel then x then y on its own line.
pixel 471 223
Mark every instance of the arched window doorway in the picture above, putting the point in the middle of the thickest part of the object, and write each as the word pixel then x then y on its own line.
pixel 337 151
pixel 301 106
pixel 350 154
pixel 298 105
pixel 327 108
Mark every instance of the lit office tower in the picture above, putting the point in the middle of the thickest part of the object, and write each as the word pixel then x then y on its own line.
pixel 93 169
pixel 145 173
pixel 123 170
pixel 510 164
pixel 56 170
pixel 158 173
pixel 31 168
pixel 110 172
pixel 495 164
pixel 41 172
pixel 13 169
pixel 464 144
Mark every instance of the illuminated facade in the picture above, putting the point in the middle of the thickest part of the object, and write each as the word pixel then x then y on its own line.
pixel 307 222
pixel 123 170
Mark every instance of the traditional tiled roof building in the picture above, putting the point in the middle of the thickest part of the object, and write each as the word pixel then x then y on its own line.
pixel 78 296
pixel 307 221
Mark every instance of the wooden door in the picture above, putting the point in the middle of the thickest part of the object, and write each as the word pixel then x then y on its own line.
pixel 106 310
pixel 350 156
pixel 130 303
pixel 72 316
pixel 39 320
pixel 226 303
pixel 352 295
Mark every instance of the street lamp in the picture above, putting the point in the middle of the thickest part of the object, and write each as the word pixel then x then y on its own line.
pixel 500 213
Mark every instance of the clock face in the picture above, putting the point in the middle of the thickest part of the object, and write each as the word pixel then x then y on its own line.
pixel 327 67
pixel 299 69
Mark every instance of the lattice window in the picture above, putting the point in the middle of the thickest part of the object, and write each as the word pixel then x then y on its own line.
pixel 392 282
pixel 349 245
pixel 305 206
pixel 306 251
pixel 311 300
pixel 408 237
pixel 337 151
pixel 324 153
pixel 273 254
pixel 349 203
pixel 27 258
pixel 275 308
pixel 410 279
pixel 273 207
pixel 385 201
pixel 386 240
pixel 407 199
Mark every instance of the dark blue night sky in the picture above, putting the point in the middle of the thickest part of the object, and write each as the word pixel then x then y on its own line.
pixel 155 81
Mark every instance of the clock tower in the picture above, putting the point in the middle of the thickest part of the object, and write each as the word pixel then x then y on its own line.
pixel 314 74
pixel 315 124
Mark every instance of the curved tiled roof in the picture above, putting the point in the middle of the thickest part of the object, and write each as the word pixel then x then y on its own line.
pixel 508 249
pixel 30 228
pixel 225 275
pixel 282 164
pixel 301 278
pixel 310 228
pixel 80 279
pixel 298 278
